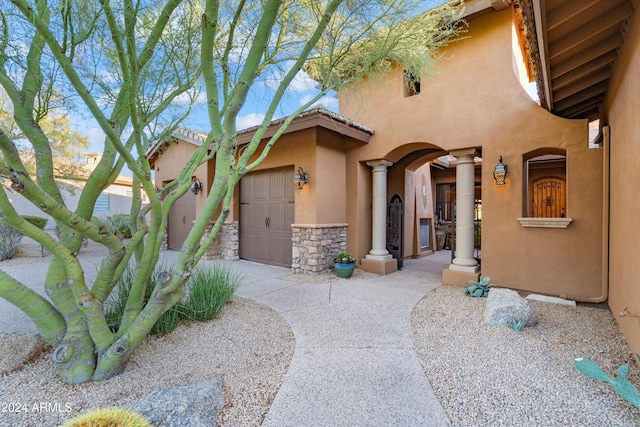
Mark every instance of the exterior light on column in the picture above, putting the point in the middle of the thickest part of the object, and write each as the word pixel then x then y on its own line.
pixel 500 172
pixel 300 179
pixel 196 185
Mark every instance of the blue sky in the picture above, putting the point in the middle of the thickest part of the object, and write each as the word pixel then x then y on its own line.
pixel 300 91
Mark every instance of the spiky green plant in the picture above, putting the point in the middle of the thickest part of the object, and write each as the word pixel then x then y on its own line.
pixel 10 239
pixel 479 289
pixel 619 384
pixel 516 325
pixel 209 288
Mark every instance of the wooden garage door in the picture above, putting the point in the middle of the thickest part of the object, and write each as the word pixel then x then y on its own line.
pixel 266 214
pixel 181 217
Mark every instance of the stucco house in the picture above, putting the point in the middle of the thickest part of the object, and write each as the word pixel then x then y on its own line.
pixel 115 199
pixel 562 222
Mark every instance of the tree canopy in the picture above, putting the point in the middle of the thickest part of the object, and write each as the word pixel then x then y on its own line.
pixel 137 68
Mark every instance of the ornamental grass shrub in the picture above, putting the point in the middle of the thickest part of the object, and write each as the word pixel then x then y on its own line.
pixel 118 224
pixel 38 221
pixel 208 290
pixel 9 241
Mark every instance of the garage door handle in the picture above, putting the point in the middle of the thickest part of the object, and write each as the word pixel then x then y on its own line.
pixel 184 219
pixel 266 223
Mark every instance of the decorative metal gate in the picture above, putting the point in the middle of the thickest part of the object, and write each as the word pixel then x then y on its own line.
pixel 395 228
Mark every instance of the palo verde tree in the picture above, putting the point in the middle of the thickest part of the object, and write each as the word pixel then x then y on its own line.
pixel 137 67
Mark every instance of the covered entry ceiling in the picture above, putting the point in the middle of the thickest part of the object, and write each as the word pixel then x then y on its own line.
pixel 575 45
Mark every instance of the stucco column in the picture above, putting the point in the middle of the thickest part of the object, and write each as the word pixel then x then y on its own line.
pixel 465 199
pixel 379 211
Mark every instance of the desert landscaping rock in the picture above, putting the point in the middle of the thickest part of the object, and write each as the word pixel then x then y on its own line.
pixel 505 306
pixel 193 405
pixel 491 376
pixel 18 348
pixel 249 347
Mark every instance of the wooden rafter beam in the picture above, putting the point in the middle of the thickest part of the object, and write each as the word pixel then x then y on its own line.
pixel 582 84
pixel 568 10
pixel 577 98
pixel 591 29
pixel 587 55
pixel 583 70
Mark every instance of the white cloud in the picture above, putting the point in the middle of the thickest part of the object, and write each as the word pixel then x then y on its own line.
pixel 329 102
pixel 96 140
pixel 300 83
pixel 185 98
pixel 251 119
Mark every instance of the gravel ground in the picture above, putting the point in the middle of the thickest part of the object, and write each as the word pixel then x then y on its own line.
pixel 483 375
pixel 493 376
pixel 249 346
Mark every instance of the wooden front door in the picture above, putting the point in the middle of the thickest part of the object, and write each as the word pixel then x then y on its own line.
pixel 548 198
pixel 266 213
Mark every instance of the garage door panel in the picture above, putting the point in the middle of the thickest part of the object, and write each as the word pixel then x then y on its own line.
pixel 280 251
pixel 281 217
pixel 255 247
pixel 266 213
pixel 281 185
pixel 180 220
pixel 254 217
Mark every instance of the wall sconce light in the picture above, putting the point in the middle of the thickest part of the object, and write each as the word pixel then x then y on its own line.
pixel 196 185
pixel 500 172
pixel 300 179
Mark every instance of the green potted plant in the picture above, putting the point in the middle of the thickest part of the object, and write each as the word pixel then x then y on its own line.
pixel 344 265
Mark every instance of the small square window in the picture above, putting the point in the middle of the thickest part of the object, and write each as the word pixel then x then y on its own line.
pixel 411 84
pixel 102 202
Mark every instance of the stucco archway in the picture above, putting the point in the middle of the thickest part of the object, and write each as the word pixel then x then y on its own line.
pixel 408 172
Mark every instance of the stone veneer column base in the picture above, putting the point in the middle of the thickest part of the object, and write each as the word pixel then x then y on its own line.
pixel 314 246
pixel 225 245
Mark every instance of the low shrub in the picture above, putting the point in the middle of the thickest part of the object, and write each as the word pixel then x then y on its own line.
pixel 38 221
pixel 118 224
pixel 10 239
pixel 208 291
pixel 479 289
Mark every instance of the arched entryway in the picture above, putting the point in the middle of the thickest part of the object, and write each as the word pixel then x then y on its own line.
pixel 413 173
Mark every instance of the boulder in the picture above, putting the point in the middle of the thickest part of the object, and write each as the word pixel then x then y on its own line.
pixel 505 306
pixel 193 405
pixel 18 348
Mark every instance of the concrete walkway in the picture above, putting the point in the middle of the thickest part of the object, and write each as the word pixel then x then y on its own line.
pixel 354 363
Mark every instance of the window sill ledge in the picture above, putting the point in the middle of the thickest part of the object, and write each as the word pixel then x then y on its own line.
pixel 545 222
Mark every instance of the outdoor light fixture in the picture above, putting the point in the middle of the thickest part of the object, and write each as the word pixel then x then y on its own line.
pixel 301 178
pixel 500 172
pixel 196 185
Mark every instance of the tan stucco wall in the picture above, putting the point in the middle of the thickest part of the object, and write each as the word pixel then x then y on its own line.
pixel 168 165
pixel 622 111
pixel 476 100
pixel 296 150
